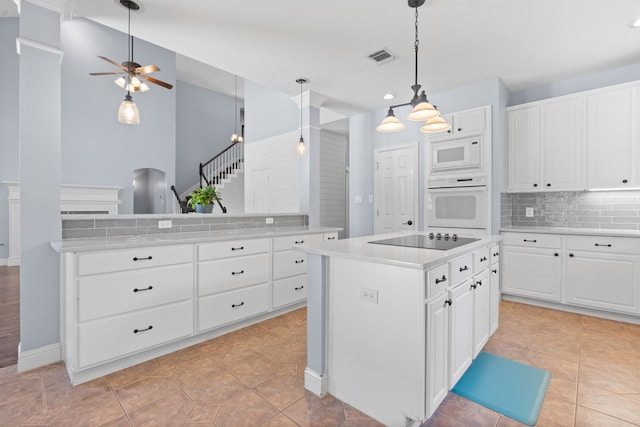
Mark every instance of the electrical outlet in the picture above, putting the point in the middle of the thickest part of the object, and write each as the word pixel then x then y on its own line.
pixel 369 295
pixel 165 223
pixel 529 212
pixel 269 221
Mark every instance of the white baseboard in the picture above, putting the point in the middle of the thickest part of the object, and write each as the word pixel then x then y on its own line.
pixel 38 357
pixel 13 260
pixel 314 382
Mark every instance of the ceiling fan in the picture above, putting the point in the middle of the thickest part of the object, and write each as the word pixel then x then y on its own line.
pixel 132 74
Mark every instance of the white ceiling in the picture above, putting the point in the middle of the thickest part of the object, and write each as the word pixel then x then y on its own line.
pixel 526 43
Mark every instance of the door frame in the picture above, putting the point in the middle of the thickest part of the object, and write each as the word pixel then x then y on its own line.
pixel 416 181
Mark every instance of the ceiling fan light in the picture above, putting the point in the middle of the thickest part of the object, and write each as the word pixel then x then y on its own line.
pixel 135 81
pixel 390 123
pixel 128 112
pixel 144 87
pixel 435 124
pixel 423 111
pixel 120 81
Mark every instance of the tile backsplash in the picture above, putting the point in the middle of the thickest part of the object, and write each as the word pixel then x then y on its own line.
pixel 619 210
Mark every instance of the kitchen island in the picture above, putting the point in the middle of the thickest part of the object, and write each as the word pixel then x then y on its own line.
pixel 391 329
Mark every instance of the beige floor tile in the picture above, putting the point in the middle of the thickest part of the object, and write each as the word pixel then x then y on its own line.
pixel 95 411
pixel 608 403
pixel 247 409
pixel 145 392
pixel 281 391
pixel 314 411
pixel 172 410
pixel 586 417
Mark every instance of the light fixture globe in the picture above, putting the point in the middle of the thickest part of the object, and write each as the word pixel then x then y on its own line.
pixel 423 112
pixel 435 124
pixel 128 112
pixel 390 123
pixel 301 148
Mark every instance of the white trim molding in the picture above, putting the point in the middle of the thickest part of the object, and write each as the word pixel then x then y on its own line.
pixel 52 5
pixel 37 45
pixel 315 383
pixel 38 357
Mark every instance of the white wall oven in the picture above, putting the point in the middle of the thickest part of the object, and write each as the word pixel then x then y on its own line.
pixel 456 155
pixel 457 203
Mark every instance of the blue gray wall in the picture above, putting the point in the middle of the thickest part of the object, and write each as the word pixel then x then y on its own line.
pixel 96 148
pixel 9 70
pixel 204 124
pixel 268 112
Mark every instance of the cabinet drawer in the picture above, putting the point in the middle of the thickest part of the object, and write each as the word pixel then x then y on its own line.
pixel 532 240
pixel 290 290
pixel 328 237
pixel 216 310
pixel 494 253
pixel 481 259
pixel 289 263
pixel 461 269
pixel 437 280
pixel 133 259
pixel 217 250
pixel 286 242
pixel 604 244
pixel 114 337
pixel 107 295
pixel 232 273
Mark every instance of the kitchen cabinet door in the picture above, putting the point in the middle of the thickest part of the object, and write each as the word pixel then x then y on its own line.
pixel 562 142
pixel 603 280
pixel 524 149
pixel 437 348
pixel 460 330
pixel 481 310
pixel 464 123
pixel 612 138
pixel 494 281
pixel 532 272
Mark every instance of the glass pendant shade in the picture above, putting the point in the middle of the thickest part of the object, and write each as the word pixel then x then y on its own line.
pixel 390 123
pixel 435 124
pixel 423 111
pixel 301 148
pixel 121 81
pixel 128 112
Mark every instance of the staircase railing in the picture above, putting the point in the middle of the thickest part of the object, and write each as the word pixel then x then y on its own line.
pixel 224 164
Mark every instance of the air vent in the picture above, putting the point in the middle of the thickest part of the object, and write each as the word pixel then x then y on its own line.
pixel 381 56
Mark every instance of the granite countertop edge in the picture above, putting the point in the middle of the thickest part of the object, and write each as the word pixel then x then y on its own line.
pixel 124 242
pixel 571 231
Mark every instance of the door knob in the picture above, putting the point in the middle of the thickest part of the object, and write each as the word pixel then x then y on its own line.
pixel 408 223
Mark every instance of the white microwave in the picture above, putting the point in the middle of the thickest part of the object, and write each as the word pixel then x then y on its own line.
pixel 458 154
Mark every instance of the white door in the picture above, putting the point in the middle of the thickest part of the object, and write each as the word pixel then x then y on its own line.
pixel 396 189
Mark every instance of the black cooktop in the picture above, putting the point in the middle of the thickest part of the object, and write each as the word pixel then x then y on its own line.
pixel 424 241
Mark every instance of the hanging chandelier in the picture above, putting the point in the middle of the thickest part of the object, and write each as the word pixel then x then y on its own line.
pixel 422 109
pixel 235 137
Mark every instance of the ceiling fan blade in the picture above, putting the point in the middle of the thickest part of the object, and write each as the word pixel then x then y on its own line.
pixel 112 62
pixel 156 81
pixel 147 69
pixel 105 73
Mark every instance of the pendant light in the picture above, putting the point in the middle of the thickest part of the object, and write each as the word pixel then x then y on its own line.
pixel 235 137
pixel 128 112
pixel 301 148
pixel 422 109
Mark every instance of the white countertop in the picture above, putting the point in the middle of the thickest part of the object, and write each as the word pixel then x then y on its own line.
pixel 122 242
pixel 573 231
pixel 359 248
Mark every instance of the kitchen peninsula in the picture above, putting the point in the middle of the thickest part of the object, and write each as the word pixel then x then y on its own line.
pixel 391 329
pixel 134 287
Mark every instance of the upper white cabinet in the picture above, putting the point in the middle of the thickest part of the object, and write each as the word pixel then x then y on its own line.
pixel 463 122
pixel 612 139
pixel 546 146
pixel 582 141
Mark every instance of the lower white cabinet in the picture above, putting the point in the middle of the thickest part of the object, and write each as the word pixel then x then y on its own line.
pixel 289 290
pixel 220 309
pixel 437 350
pixel 481 310
pixel 460 330
pixel 494 281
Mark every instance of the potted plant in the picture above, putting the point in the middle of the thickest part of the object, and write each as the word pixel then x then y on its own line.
pixel 202 199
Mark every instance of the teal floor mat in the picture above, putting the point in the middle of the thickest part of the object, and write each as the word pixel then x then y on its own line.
pixel 510 388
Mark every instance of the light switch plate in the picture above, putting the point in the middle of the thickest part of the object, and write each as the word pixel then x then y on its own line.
pixel 165 224
pixel 529 212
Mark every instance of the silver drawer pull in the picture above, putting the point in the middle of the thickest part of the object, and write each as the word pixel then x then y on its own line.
pixel 137 331
pixel 465 268
pixel 135 258
pixel 237 305
pixel 241 248
pixel 607 245
pixel 143 289
pixel 233 273
pixel 444 279
pixel 299 288
pixel 299 261
pixel 299 242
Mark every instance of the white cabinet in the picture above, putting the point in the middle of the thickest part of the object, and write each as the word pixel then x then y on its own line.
pixel 603 273
pixel 532 266
pixel 437 350
pixel 463 123
pixel 460 330
pixel 494 281
pixel 546 146
pixel 233 281
pixel 481 310
pixel 612 138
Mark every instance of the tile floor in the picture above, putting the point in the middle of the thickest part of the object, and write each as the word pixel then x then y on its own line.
pixel 254 377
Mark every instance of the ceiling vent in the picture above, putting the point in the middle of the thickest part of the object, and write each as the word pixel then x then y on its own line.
pixel 381 56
